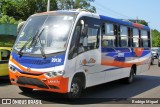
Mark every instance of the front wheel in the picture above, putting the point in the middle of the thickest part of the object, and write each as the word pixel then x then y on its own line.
pixel 25 90
pixel 76 89
pixel 131 76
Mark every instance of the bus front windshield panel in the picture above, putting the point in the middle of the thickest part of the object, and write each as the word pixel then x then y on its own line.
pixel 52 33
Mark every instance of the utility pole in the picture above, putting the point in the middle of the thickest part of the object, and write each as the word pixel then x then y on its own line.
pixel 137 20
pixel 48 5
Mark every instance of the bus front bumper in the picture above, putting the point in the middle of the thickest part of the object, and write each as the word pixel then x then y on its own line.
pixel 56 84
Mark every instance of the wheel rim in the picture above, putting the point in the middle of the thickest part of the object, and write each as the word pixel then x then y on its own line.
pixel 75 89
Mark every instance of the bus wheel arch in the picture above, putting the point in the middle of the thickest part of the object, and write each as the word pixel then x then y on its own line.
pixel 132 72
pixel 77 85
pixel 82 77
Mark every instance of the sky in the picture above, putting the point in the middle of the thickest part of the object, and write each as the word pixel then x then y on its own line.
pixel 148 10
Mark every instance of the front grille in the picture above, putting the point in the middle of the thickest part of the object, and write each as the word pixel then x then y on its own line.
pixel 53 87
pixel 28 73
pixel 31 81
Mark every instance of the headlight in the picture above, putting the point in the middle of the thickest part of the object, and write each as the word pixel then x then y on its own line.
pixel 12 68
pixel 54 74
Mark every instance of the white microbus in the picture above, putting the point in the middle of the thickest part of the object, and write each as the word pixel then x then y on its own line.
pixel 67 51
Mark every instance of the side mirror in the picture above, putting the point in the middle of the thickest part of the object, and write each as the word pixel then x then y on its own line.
pixel 82 24
pixel 19 27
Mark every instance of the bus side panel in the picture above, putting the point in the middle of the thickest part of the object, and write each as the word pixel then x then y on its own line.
pixel 118 61
pixel 145 59
pixel 114 65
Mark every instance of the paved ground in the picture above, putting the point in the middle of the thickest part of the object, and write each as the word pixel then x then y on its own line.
pixel 146 85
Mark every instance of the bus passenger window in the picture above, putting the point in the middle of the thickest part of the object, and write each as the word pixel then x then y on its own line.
pixel 135 38
pixel 93 38
pixel 108 37
pixel 123 36
pixel 144 38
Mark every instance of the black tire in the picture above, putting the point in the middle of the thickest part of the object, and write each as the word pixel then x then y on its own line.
pixel 25 90
pixel 131 76
pixel 159 64
pixel 75 89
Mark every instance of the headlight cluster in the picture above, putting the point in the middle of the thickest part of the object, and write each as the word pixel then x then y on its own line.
pixel 54 74
pixel 12 69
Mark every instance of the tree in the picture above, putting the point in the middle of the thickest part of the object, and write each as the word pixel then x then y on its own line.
pixel 7 19
pixel 75 4
pixel 155 38
pixel 22 9
pixel 143 22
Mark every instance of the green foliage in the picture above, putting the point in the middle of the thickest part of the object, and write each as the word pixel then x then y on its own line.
pixel 155 38
pixel 7 19
pixel 75 4
pixel 7 40
pixel 143 22
pixel 22 9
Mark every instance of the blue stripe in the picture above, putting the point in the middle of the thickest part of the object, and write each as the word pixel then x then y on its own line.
pixel 34 62
pixel 115 20
pixel 128 53
pixel 109 69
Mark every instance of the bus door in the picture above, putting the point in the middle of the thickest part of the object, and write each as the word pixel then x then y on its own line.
pixel 89 52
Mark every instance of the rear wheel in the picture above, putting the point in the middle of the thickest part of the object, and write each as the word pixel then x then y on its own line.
pixel 131 76
pixel 25 90
pixel 76 88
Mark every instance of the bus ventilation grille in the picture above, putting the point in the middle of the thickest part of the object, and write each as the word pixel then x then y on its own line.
pixel 31 81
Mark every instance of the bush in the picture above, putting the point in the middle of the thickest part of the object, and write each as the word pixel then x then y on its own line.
pixel 7 19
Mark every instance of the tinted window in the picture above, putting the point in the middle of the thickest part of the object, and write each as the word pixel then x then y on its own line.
pixel 5 54
pixel 108 37
pixel 123 36
pixel 144 38
pixel 135 37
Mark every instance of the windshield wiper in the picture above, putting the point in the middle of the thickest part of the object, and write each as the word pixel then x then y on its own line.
pixel 33 39
pixel 42 49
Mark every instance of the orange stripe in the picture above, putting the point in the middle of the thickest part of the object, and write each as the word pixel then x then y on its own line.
pixel 22 68
pixel 120 64
pixel 137 25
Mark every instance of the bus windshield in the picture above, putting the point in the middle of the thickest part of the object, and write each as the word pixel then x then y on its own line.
pixel 53 32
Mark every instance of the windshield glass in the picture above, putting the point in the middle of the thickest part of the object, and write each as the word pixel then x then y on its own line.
pixel 54 32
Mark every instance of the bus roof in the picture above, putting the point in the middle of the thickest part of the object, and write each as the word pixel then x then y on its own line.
pixel 58 12
pixel 126 23
pixel 102 17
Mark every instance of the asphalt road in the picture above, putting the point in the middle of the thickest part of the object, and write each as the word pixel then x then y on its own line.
pixel 146 85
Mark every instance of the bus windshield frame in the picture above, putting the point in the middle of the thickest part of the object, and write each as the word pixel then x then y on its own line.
pixel 53 39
